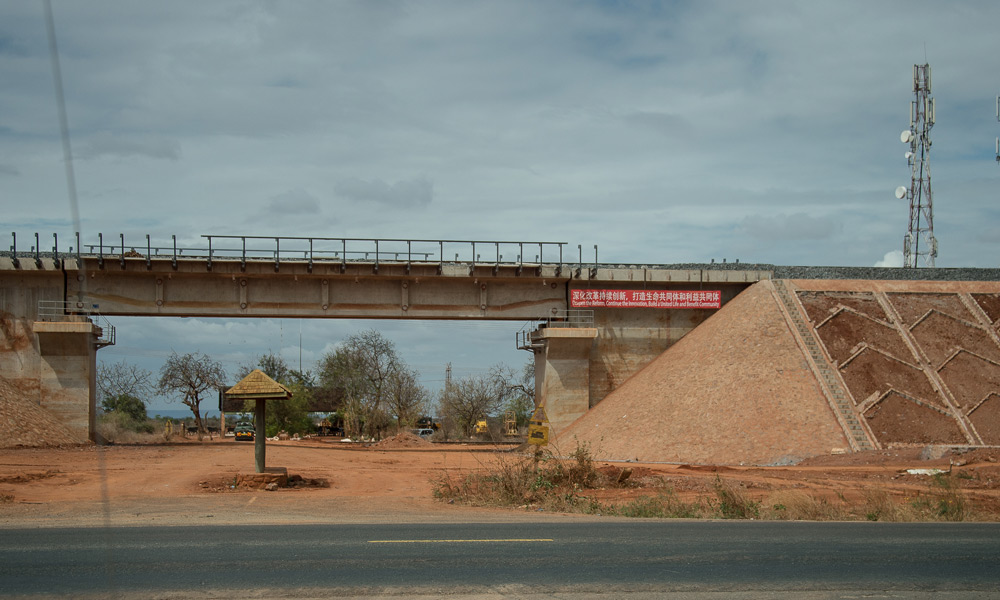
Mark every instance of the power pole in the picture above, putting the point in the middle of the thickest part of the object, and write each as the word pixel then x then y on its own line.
pixel 919 240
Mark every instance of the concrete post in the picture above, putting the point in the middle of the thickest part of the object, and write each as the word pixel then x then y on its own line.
pixel 260 435
pixel 563 368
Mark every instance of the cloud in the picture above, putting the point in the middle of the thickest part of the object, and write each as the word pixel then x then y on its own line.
pixel 8 170
pixel 793 227
pixel 406 193
pixel 125 145
pixel 292 202
pixel 892 258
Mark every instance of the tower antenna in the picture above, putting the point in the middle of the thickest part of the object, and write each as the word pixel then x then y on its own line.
pixel 919 243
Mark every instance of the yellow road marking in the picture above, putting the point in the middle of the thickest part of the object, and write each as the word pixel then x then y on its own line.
pixel 459 541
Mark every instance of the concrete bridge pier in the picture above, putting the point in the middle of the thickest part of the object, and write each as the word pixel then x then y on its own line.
pixel 67 374
pixel 562 373
pixel 48 354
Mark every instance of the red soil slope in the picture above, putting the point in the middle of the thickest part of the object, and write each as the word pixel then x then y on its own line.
pixel 918 363
pixel 735 390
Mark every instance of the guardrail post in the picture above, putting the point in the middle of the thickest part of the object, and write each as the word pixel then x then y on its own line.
pixel 100 250
pixel 174 261
pixel 209 265
pixel 149 253
pixel 441 258
pixel 310 255
pixel 376 256
pixel 277 254
pixel 121 258
pixel 243 256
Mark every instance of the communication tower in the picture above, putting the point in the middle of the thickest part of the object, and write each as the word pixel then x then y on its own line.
pixel 919 240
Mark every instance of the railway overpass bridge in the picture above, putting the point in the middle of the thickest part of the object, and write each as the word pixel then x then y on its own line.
pixel 593 324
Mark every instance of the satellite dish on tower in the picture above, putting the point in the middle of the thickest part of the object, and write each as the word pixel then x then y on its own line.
pixel 900 192
pixel 908 155
pixel 906 137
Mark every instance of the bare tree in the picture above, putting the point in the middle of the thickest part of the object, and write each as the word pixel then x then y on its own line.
pixel 123 379
pixel 521 391
pixel 406 398
pixel 475 397
pixel 191 376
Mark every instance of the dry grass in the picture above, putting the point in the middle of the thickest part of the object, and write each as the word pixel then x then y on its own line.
pixel 796 505
pixel 115 428
pixel 562 485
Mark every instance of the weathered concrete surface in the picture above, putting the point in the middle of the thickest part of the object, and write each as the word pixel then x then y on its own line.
pixel 629 339
pixel 20 293
pixel 231 289
pixel 68 372
pixel 563 368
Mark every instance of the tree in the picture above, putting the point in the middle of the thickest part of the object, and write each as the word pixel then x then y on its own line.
pixel 292 414
pixel 406 398
pixel 190 376
pixel 123 379
pixel 475 397
pixel 127 405
pixel 360 370
pixel 123 389
pixel 521 392
pixel 273 365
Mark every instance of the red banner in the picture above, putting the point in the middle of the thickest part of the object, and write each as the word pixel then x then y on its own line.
pixel 645 299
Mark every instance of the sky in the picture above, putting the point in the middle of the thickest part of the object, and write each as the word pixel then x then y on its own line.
pixel 663 132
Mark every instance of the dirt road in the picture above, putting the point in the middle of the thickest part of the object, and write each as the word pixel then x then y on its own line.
pixel 194 482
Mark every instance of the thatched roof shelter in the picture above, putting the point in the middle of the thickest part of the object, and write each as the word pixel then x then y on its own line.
pixel 257 386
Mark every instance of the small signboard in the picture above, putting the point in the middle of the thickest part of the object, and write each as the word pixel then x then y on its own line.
pixel 645 298
pixel 538 428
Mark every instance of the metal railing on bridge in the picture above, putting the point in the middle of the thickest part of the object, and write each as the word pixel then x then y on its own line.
pixel 64 311
pixel 311 250
pixel 573 317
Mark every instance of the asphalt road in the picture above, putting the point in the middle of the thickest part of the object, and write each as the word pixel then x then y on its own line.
pixel 577 559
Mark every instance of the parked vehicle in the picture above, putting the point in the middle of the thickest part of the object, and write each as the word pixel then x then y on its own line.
pixel 244 431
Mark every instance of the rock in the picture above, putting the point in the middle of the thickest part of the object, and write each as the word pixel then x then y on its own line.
pixel 934 452
pixel 271 486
